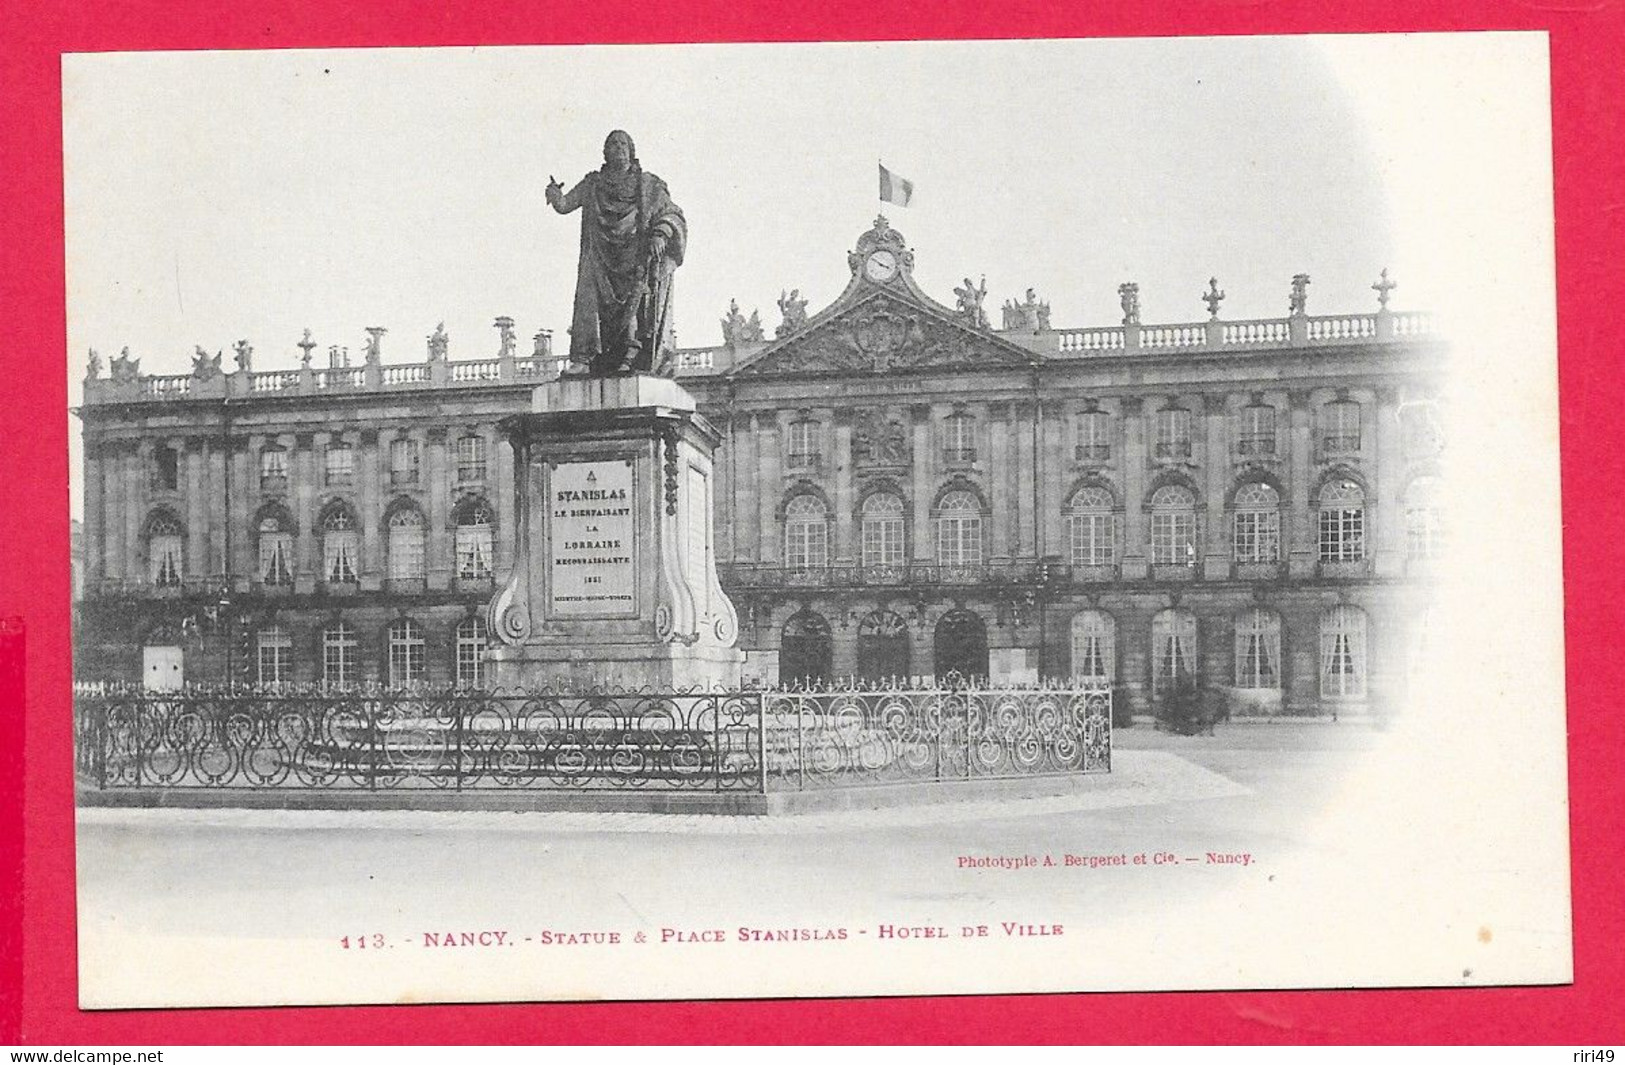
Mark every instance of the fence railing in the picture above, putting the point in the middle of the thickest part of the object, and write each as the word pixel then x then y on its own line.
pixel 733 742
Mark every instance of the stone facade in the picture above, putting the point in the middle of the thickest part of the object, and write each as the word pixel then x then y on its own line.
pixel 900 491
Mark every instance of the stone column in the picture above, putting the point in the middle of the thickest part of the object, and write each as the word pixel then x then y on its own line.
pixel 95 541
pixel 438 545
pixel 217 458
pixel 308 494
pixel 1025 473
pixel 115 520
pixel 922 535
pixel 1300 656
pixel 1385 523
pixel 503 507
pixel 1134 547
pixel 244 488
pixel 722 488
pixel 135 510
pixel 841 456
pixel 197 521
pixel 1216 467
pixel 770 438
pixel 999 480
pixel 747 489
pixel 374 455
pixel 1052 481
pixel 1301 557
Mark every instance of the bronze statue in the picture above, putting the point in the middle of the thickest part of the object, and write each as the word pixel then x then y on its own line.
pixel 632 240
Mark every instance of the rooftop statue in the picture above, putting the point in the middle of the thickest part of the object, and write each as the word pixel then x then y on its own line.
pixel 633 238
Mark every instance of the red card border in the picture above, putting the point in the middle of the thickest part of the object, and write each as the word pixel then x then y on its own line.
pixel 1590 198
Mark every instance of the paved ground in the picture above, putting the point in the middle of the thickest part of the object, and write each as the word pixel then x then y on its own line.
pixel 1252 788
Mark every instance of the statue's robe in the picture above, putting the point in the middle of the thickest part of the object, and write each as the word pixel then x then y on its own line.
pixel 622 318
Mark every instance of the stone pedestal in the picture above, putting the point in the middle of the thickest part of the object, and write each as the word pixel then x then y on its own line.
pixel 614 581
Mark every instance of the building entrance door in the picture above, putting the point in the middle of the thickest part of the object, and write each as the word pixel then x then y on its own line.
pixel 960 645
pixel 162 669
pixel 806 653
pixel 883 653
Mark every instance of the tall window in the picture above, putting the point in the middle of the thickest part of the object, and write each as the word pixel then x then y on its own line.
pixel 273 653
pixel 276 552
pixel 1342 522
pixel 1340 427
pixel 1256 526
pixel 959 438
pixel 471 652
pixel 1094 442
pixel 340 548
pixel 406 653
pixel 1173 433
pixel 338 463
pixel 273 470
pixel 164 563
pixel 470 458
pixel 474 543
pixel 404 461
pixel 1173 526
pixel 1424 520
pixel 805 451
pixel 1094 645
pixel 406 544
pixel 1342 653
pixel 1258 649
pixel 338 655
pixel 1092 527
pixel 166 469
pixel 959 530
pixel 1257 430
pixel 883 530
pixel 1421 429
pixel 1173 648
pixel 806 533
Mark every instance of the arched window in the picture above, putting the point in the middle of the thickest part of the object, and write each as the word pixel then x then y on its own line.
pixel 338 655
pixel 406 544
pixel 1094 443
pixel 340 548
pixel 1340 428
pixel 1094 645
pixel 883 542
pixel 276 551
pixel 959 438
pixel 404 461
pixel 1256 525
pixel 1342 653
pixel 1173 648
pixel 1342 521
pixel 1258 649
pixel 164 545
pixel 1092 527
pixel 474 542
pixel 806 533
pixel 406 653
pixel 1173 425
pixel 1173 526
pixel 273 655
pixel 470 458
pixel 1424 520
pixel 959 530
pixel 470 652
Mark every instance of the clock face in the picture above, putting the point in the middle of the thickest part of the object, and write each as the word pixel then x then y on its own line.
pixel 880 266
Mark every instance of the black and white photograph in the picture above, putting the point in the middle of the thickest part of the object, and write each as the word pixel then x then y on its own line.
pixel 790 520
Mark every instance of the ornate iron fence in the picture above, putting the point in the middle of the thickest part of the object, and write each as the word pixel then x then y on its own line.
pixel 864 737
pixel 732 742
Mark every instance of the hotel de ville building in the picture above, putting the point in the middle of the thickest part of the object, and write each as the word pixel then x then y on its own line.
pixel 906 489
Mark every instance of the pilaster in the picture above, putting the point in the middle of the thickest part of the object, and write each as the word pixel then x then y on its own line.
pixel 1134 552
pixel 1216 467
pixel 1301 554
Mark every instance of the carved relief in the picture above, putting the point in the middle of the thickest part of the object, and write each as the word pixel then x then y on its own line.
pixel 878 440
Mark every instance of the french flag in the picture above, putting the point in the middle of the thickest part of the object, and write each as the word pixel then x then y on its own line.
pixel 894 188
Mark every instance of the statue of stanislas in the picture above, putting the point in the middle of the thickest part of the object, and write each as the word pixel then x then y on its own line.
pixel 632 240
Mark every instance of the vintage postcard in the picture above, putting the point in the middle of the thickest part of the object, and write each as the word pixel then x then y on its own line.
pixel 810 520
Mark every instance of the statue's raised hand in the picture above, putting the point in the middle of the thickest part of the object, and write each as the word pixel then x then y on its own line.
pixel 555 191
